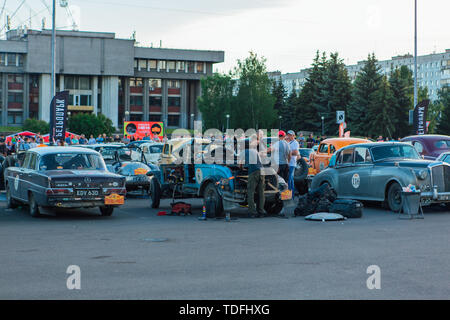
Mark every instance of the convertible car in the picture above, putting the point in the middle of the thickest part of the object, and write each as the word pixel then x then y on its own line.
pixel 379 171
pixel 63 177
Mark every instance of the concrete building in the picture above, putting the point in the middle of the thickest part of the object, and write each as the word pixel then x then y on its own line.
pixel 103 75
pixel 433 72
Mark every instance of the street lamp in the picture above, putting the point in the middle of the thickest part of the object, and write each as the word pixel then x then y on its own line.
pixel 127 115
pixel 323 133
pixel 192 120
pixel 279 117
pixel 228 120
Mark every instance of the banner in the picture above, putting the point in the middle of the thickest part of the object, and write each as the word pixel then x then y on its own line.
pixel 58 116
pixel 139 129
pixel 420 117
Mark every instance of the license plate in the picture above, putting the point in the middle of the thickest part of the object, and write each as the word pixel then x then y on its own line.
pixel 88 193
pixel 114 199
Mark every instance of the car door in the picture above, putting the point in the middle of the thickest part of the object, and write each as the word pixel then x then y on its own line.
pixel 321 157
pixel 345 167
pixel 27 174
pixel 362 173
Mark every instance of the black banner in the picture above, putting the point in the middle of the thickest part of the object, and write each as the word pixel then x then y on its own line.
pixel 420 117
pixel 58 116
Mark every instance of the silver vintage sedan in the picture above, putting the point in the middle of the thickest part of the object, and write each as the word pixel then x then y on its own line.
pixel 378 171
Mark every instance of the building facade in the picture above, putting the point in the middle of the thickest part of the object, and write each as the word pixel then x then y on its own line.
pixel 103 74
pixel 433 72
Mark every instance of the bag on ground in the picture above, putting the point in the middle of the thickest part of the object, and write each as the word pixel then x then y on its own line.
pixel 347 208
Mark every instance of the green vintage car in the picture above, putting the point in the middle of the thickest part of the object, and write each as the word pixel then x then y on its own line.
pixel 378 172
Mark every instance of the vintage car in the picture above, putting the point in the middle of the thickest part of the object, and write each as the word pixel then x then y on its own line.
pixel 175 147
pixel 225 185
pixel 430 146
pixel 444 157
pixel 151 151
pixel 109 151
pixel 305 153
pixel 319 160
pixel 63 177
pixel 379 171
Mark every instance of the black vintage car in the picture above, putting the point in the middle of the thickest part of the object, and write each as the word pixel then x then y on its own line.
pixel 63 177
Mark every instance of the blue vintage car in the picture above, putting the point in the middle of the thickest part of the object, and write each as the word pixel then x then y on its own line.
pixel 379 171
pixel 63 177
pixel 223 184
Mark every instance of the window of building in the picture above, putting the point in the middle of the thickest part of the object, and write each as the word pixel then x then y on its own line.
pixel 15 97
pixel 173 120
pixel 154 117
pixel 85 83
pixel 136 82
pixel 142 64
pixel 161 65
pixel 174 101
pixel 85 99
pixel 15 78
pixel 135 63
pixel 191 66
pixel 180 65
pixel 11 59
pixel 154 84
pixel 20 60
pixel 15 118
pixel 171 65
pixel 173 83
pixel 136 117
pixel 136 101
pixel 152 64
pixel 200 67
pixel 2 59
pixel 155 101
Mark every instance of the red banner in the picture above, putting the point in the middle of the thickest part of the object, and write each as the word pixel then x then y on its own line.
pixel 139 129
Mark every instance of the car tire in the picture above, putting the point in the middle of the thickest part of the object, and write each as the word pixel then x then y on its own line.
pixel 273 208
pixel 211 194
pixel 33 206
pixel 394 197
pixel 10 202
pixel 155 193
pixel 301 170
pixel 106 211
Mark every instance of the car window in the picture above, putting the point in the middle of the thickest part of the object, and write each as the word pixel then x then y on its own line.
pixel 418 146
pixel 332 149
pixel 395 151
pixel 323 148
pixel 155 149
pixel 32 161
pixel 71 161
pixel 446 158
pixel 346 156
pixel 361 154
pixel 166 149
pixel 442 144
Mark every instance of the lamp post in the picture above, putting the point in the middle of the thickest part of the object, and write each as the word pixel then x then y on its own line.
pixel 415 53
pixel 228 120
pixel 192 120
pixel 279 118
pixel 323 118
pixel 127 115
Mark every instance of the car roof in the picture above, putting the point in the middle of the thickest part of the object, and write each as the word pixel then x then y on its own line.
pixel 58 149
pixel 375 144
pixel 343 142
pixel 428 136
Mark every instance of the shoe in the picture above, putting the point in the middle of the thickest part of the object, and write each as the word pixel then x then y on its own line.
pixel 253 214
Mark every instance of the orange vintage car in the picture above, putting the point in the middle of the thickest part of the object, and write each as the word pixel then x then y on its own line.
pixel 319 160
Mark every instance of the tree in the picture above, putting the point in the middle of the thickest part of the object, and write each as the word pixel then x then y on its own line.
pixel 307 117
pixel 88 123
pixel 400 81
pixel 361 112
pixel 36 126
pixel 334 93
pixel 254 100
pixel 444 122
pixel 382 108
pixel 288 120
pixel 216 100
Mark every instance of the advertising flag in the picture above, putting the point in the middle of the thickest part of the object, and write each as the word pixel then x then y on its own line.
pixel 58 116
pixel 420 117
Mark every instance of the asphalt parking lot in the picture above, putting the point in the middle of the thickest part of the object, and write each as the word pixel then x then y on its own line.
pixel 136 254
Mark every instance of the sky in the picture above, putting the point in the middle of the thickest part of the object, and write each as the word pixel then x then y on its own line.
pixel 287 33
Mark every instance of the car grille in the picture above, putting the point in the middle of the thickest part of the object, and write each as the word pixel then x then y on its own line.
pixel 441 178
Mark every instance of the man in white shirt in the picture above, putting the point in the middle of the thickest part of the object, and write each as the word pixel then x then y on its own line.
pixel 293 146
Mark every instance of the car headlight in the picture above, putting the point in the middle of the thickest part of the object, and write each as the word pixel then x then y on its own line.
pixel 422 174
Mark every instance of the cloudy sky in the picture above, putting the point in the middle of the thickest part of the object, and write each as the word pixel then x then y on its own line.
pixel 286 32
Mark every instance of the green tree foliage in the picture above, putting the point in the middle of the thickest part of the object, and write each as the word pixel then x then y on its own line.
pixel 254 101
pixel 216 100
pixel 307 117
pixel 90 124
pixel 444 121
pixel 362 111
pixel 36 126
pixel 334 93
pixel 288 120
pixel 400 81
pixel 382 109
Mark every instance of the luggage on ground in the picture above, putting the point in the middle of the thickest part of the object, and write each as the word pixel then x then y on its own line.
pixel 347 208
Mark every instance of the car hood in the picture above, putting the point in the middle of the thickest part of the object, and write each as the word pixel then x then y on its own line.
pixel 405 163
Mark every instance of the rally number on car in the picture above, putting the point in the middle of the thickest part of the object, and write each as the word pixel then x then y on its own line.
pixel 356 181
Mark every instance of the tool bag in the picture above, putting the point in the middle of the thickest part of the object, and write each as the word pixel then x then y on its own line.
pixel 347 208
pixel 181 208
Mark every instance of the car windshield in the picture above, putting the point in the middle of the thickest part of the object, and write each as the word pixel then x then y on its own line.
pixel 395 151
pixel 442 144
pixel 109 152
pixel 71 161
pixel 155 149
pixel 134 168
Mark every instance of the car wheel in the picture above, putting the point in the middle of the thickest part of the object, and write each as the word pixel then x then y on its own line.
pixel 33 206
pixel 273 208
pixel 106 211
pixel 10 202
pixel 301 170
pixel 394 197
pixel 155 193
pixel 211 194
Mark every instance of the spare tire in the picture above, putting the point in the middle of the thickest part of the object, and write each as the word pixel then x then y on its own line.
pixel 301 171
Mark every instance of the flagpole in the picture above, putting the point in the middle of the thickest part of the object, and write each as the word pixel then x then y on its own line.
pixel 415 53
pixel 53 85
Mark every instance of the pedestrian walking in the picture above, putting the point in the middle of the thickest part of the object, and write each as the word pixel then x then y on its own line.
pixel 293 146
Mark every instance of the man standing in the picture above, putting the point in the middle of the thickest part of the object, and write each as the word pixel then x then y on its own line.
pixel 293 146
pixel 281 155
pixel 310 141
pixel 301 140
pixel 252 161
